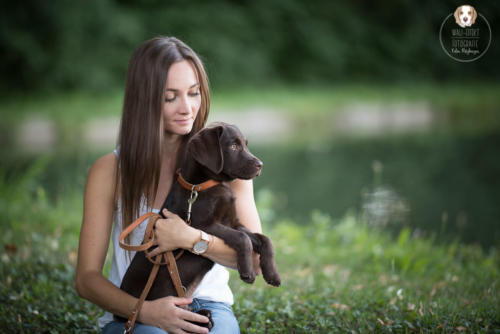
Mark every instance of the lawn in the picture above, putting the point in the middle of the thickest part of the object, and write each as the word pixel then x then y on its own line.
pixel 338 275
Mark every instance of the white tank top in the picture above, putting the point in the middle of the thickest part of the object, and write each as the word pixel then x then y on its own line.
pixel 214 285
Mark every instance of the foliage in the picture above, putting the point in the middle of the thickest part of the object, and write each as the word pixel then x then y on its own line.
pixel 87 44
pixel 338 276
pixel 348 277
pixel 37 295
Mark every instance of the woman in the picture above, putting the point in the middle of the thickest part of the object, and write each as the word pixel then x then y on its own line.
pixel 166 101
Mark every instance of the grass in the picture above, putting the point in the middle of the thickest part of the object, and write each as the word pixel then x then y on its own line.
pixel 338 276
pixel 349 277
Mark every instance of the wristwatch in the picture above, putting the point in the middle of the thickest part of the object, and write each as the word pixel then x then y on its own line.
pixel 201 246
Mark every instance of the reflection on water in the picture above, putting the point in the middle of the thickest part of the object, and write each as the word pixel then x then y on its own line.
pixel 383 206
pixel 442 184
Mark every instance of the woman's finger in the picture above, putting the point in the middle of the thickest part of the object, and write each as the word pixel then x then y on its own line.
pixel 192 328
pixel 181 300
pixel 191 316
pixel 155 252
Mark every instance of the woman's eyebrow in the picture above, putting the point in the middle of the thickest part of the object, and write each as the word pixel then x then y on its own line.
pixel 175 90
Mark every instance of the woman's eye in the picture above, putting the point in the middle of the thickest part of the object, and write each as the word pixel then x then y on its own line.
pixel 195 93
pixel 169 99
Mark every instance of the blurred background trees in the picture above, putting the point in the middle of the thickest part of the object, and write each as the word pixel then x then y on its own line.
pixel 68 45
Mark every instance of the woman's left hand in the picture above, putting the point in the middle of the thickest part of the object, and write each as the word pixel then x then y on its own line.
pixel 172 233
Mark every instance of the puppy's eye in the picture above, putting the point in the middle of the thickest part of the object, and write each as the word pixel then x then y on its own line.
pixel 234 147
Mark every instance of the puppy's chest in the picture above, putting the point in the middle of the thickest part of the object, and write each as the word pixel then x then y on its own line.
pixel 214 204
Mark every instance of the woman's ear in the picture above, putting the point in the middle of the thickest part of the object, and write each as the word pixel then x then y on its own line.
pixel 205 148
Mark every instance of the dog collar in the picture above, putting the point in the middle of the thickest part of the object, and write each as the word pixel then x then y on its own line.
pixel 198 187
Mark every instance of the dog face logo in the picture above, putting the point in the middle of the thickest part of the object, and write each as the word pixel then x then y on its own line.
pixel 465 16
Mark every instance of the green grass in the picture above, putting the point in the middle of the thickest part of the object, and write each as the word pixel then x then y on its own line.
pixel 348 277
pixel 337 276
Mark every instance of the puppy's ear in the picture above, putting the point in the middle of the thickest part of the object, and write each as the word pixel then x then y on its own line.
pixel 474 15
pixel 205 148
pixel 457 15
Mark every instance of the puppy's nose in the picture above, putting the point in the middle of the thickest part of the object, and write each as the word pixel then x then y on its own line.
pixel 465 19
pixel 258 163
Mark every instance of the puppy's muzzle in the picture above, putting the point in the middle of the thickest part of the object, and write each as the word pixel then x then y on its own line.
pixel 258 166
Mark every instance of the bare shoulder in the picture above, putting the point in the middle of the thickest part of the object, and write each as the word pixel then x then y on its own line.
pixel 101 175
pixel 104 167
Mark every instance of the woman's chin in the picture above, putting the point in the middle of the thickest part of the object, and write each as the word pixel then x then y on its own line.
pixel 179 130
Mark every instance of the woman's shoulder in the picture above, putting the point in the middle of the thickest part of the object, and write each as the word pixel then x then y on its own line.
pixel 105 164
pixel 101 180
pixel 102 173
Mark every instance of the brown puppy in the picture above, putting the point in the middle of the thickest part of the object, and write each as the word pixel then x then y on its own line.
pixel 218 152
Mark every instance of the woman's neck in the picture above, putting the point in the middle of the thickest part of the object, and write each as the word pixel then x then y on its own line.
pixel 171 144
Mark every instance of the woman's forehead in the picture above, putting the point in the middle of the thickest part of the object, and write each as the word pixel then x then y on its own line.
pixel 181 76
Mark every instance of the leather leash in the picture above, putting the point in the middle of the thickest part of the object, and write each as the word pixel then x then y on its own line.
pixel 168 257
pixel 149 241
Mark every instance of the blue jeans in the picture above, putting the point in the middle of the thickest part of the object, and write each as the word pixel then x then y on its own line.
pixel 222 314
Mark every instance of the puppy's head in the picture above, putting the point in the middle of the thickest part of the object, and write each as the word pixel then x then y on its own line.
pixel 222 149
pixel 465 16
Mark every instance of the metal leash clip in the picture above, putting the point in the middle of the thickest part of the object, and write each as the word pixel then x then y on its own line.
pixel 191 200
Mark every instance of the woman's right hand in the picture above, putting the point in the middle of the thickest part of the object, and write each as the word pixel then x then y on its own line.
pixel 173 233
pixel 165 314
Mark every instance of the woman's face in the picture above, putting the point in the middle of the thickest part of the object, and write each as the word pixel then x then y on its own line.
pixel 182 98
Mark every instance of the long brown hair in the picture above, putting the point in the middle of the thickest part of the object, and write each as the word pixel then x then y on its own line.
pixel 141 128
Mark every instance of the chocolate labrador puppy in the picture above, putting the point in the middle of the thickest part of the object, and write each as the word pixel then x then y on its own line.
pixel 218 152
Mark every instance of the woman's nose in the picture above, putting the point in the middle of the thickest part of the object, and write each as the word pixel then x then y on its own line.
pixel 186 105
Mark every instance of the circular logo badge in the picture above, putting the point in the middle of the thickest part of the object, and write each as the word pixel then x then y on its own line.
pixel 465 35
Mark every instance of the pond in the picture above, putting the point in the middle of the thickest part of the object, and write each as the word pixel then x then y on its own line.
pixel 443 184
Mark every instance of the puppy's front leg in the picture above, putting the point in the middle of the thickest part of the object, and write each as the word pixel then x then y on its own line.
pixel 263 245
pixel 241 243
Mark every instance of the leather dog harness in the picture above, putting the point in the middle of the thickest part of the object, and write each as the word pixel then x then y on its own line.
pixel 149 240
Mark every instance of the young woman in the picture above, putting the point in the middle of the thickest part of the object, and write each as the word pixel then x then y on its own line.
pixel 166 101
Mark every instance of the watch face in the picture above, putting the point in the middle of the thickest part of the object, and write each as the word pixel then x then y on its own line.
pixel 200 247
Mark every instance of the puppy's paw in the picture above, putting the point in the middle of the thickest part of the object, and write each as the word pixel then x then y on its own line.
pixel 207 314
pixel 272 278
pixel 248 277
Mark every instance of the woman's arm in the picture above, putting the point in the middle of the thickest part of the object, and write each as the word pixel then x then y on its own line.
pixel 174 231
pixel 99 204
pixel 94 240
